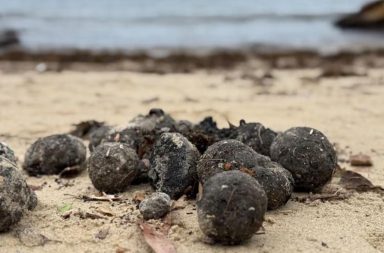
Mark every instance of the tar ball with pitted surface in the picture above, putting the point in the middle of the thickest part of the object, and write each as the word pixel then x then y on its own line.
pixel 232 207
pixel 97 136
pixel 173 165
pixel 255 135
pixel 276 181
pixel 113 166
pixel 228 155
pixel 53 154
pixel 7 152
pixel 15 195
pixel 307 154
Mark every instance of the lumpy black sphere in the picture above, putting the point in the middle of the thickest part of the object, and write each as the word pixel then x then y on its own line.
pixel 307 154
pixel 15 195
pixel 52 154
pixel 173 164
pixel 232 207
pixel 227 155
pixel 113 167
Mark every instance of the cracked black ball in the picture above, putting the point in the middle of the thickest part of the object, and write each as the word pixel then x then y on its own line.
pixel 173 165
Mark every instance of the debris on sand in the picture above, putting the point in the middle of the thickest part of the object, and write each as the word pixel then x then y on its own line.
pixel 361 160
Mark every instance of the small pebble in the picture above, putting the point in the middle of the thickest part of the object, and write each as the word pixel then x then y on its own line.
pixel 53 154
pixel 173 165
pixel 307 154
pixel 232 214
pixel 113 167
pixel 156 206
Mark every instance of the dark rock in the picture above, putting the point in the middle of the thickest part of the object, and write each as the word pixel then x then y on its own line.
pixel 15 195
pixel 232 207
pixel 173 165
pixel 7 152
pixel 53 154
pixel 156 206
pixel 371 16
pixel 113 167
pixel 307 154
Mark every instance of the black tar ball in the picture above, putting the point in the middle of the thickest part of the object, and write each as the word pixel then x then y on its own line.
pixel 7 152
pixel 15 195
pixel 255 135
pixel 113 167
pixel 227 155
pixel 98 135
pixel 232 207
pixel 173 165
pixel 307 154
pixel 276 181
pixel 52 154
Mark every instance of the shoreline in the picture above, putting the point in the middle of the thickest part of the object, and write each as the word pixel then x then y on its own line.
pixel 179 61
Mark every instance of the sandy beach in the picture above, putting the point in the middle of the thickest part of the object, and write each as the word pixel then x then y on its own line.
pixel 349 110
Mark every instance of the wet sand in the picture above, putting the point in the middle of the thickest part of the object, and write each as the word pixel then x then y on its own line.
pixel 349 110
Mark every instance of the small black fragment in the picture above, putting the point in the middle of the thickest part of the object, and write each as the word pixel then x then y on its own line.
pixel 7 152
pixel 173 164
pixel 113 167
pixel 232 207
pixel 98 135
pixel 52 154
pixel 307 154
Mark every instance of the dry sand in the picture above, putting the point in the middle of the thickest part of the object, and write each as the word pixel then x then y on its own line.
pixel 349 110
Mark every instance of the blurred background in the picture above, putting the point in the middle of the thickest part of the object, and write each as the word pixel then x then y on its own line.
pixel 120 25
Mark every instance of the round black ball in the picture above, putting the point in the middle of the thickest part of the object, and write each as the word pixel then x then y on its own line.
pixel 307 154
pixel 232 207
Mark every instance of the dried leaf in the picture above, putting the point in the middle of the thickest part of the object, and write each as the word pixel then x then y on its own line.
pixel 361 160
pixel 354 181
pixel 70 172
pixel 156 240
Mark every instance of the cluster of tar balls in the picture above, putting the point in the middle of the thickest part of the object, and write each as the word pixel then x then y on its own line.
pixel 244 170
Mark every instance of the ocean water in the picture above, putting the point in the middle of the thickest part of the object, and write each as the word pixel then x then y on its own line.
pixel 176 24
